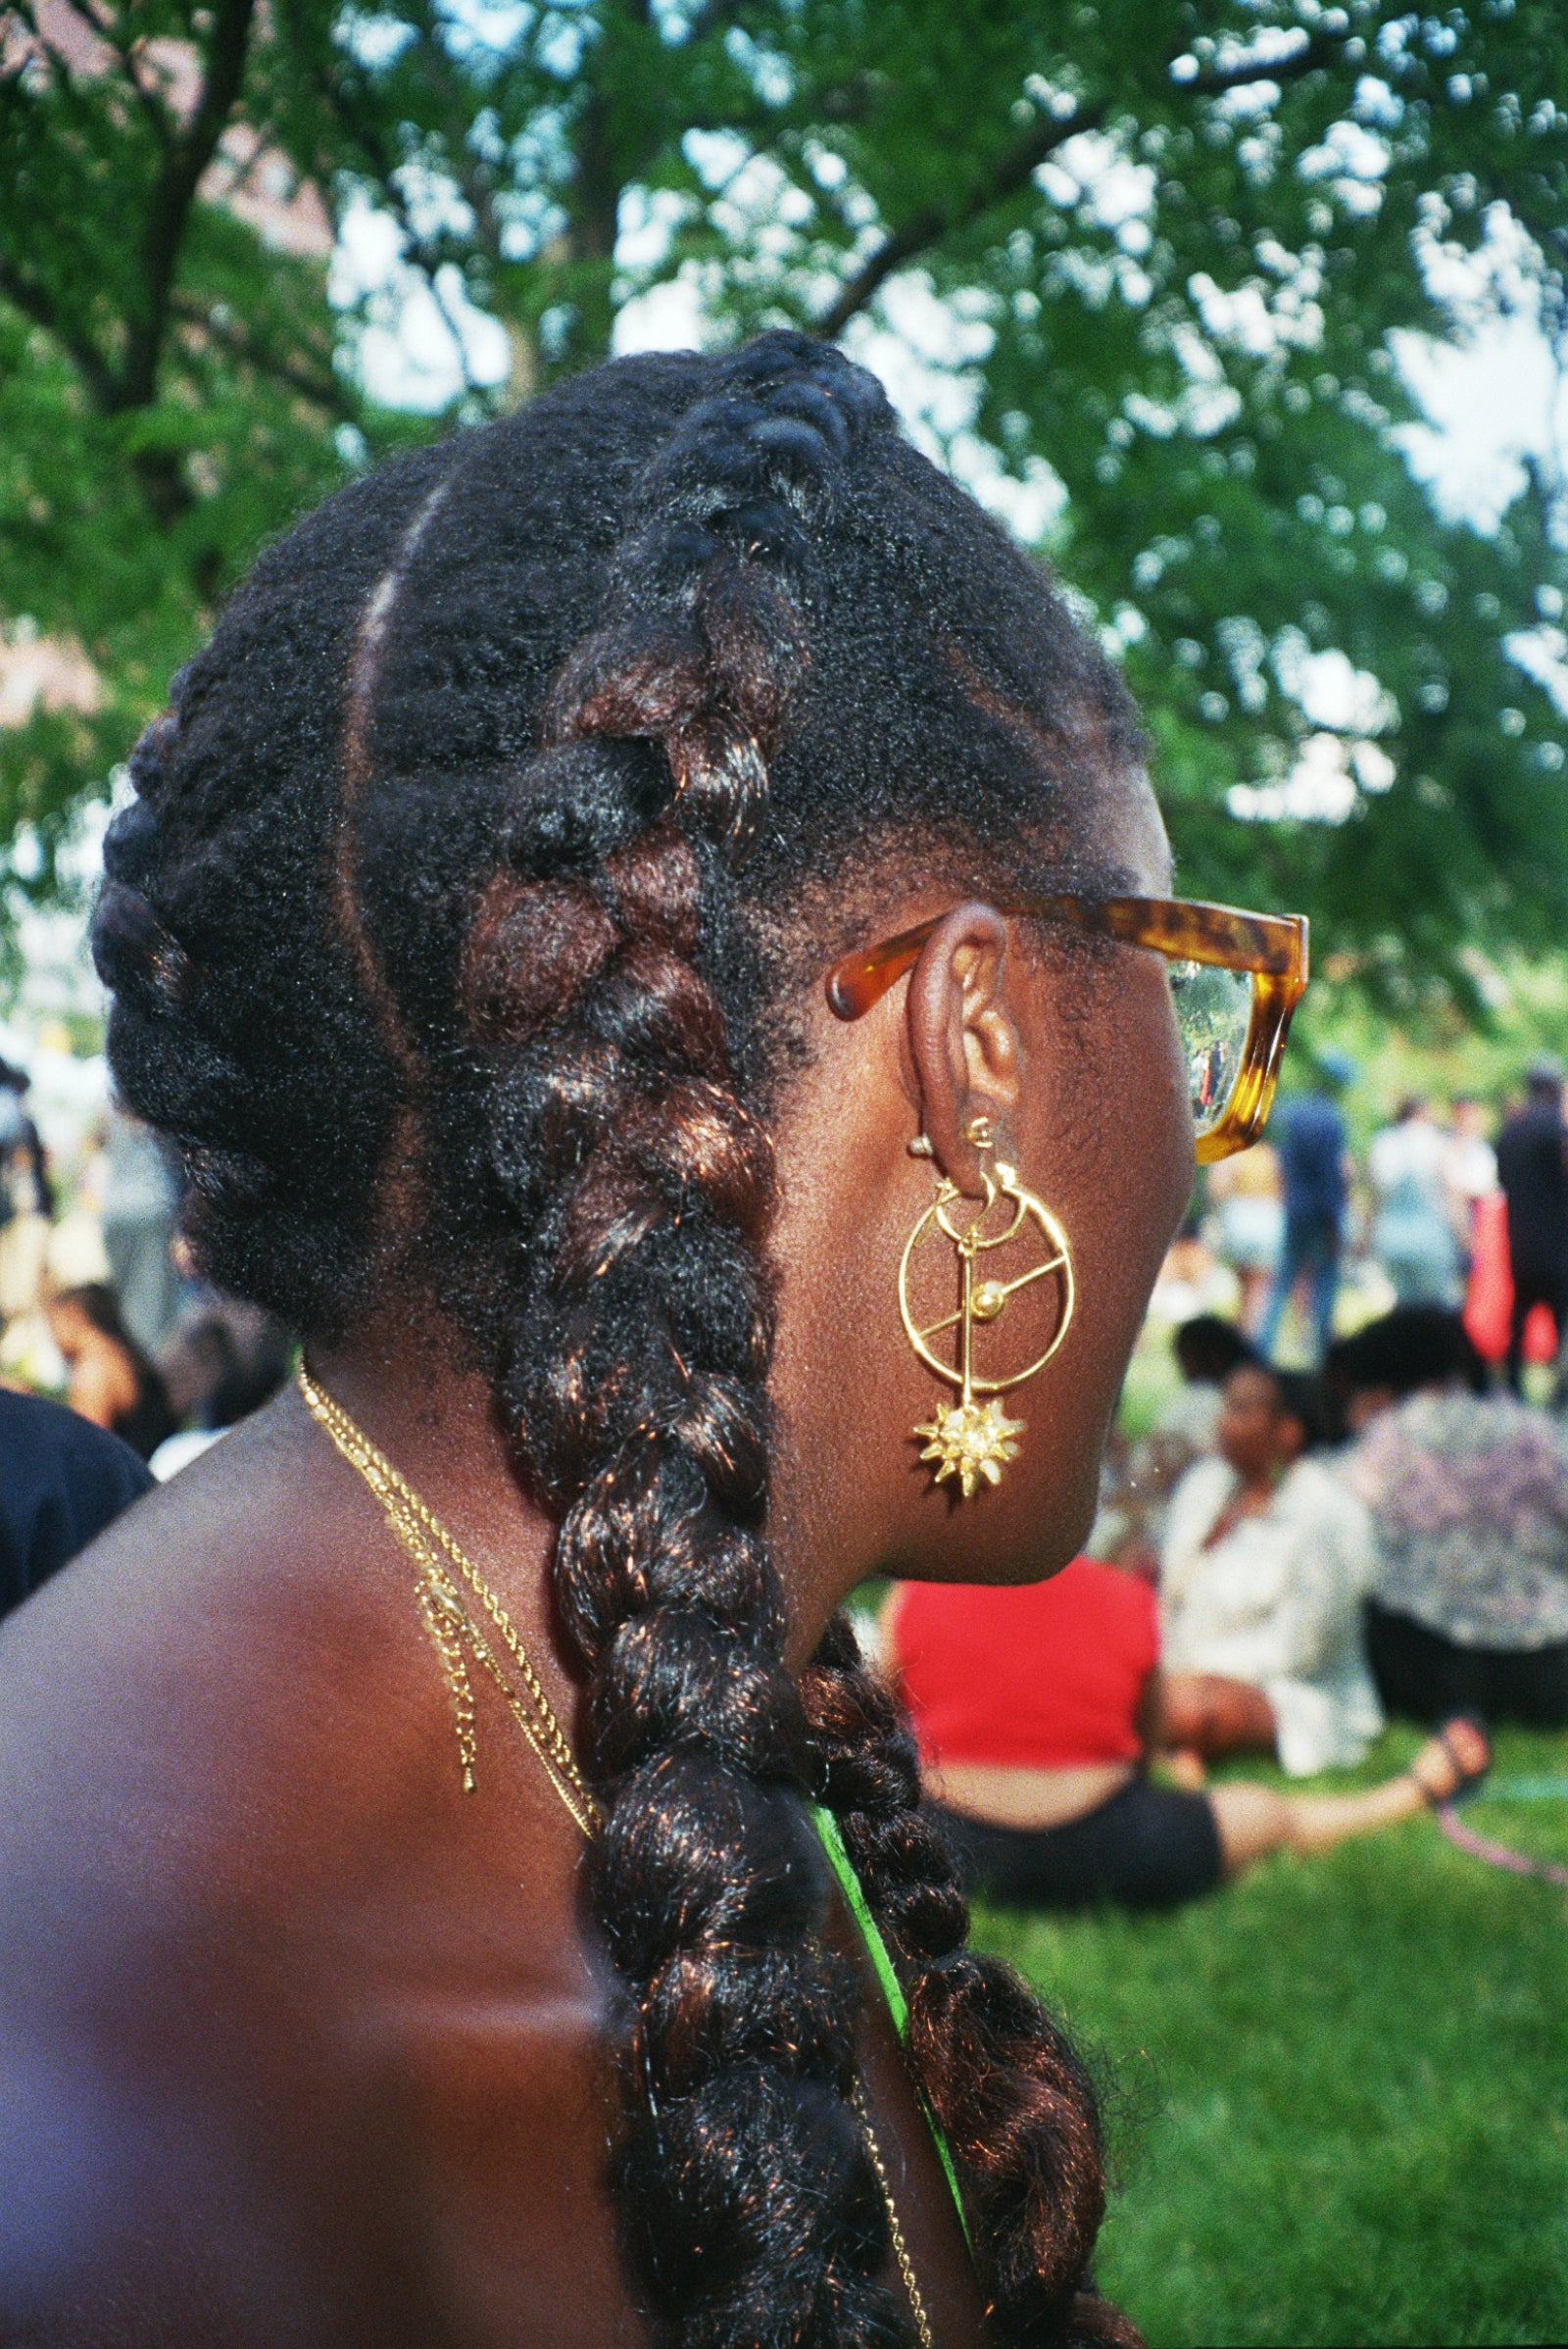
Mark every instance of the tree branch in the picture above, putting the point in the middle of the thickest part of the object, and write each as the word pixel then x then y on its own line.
pixel 1014 169
pixel 323 389
pixel 123 45
pixel 1321 50
pixel 175 192
pixel 1018 164
pixel 34 303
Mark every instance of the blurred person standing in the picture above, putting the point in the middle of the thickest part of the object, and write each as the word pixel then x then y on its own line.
pixel 1412 1236
pixel 1469 1172
pixel 26 1206
pixel 12 1126
pixel 29 1189
pixel 1247 1194
pixel 1533 1170
pixel 1311 1139
pixel 141 1206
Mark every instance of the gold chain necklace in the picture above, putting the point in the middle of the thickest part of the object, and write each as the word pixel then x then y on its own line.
pixel 442 1570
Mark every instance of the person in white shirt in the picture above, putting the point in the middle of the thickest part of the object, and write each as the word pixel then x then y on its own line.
pixel 1469 1171
pixel 1266 1564
pixel 1412 1236
pixel 1131 1523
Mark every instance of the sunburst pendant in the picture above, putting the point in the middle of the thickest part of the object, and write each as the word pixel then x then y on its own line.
pixel 970 1441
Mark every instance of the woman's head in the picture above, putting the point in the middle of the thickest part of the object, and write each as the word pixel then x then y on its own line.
pixel 1413 1346
pixel 88 1313
pixel 466 934
pixel 1208 1349
pixel 693 667
pixel 1270 1417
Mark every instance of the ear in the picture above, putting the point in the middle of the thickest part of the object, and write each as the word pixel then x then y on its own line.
pixel 963 1040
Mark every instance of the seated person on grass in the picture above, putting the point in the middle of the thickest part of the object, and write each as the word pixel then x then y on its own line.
pixel 1036 1706
pixel 1206 1350
pixel 1266 1564
pixel 1468 1493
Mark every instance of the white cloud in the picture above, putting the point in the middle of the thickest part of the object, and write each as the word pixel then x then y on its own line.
pixel 416 348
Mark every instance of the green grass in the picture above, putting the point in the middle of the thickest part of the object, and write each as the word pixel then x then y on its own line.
pixel 1338 2088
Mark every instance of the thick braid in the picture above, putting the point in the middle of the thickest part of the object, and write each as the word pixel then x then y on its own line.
pixel 448 936
pixel 634 1363
pixel 237 1026
pixel 1018 2109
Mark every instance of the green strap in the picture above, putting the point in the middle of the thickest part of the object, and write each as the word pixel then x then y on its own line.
pixel 897 2006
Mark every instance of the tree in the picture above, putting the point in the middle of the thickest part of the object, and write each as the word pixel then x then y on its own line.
pixel 169 394
pixel 1163 248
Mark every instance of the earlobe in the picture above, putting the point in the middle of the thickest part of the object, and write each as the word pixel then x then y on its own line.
pixel 963 1038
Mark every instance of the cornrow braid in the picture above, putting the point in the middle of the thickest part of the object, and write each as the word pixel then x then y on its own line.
pixel 635 1360
pixel 503 839
pixel 276 1117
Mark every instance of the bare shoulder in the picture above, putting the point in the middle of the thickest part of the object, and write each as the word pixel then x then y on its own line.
pixel 297 2042
pixel 190 1660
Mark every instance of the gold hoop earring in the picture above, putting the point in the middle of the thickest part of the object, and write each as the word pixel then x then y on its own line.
pixel 973 1441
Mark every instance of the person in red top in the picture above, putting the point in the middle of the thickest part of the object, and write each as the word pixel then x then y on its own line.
pixel 1036 1708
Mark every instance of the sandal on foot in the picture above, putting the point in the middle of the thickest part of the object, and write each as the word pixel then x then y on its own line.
pixel 1467 1776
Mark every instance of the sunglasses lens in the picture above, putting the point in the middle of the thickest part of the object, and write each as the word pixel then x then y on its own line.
pixel 1213 1011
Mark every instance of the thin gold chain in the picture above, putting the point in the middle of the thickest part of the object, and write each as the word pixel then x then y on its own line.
pixel 450 1621
pixel 901 2249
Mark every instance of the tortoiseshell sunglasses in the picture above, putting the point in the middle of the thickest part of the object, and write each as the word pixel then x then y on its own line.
pixel 1235 979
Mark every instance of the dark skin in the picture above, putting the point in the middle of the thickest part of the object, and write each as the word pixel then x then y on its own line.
pixel 298 2042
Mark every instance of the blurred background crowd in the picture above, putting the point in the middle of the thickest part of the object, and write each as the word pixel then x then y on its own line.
pixel 1342 1462
pixel 1338 1493
pixel 98 1303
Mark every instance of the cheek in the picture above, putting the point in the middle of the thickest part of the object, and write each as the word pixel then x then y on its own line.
pixel 1127 1164
pixel 1107 1143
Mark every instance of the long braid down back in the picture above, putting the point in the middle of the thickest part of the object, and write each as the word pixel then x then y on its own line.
pixel 528 746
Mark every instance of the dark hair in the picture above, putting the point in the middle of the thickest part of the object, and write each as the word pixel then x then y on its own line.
pixel 98 1304
pixel 1413 1346
pixel 145 1423
pixel 1298 1395
pixel 1301 1399
pixel 449 933
pixel 1209 1348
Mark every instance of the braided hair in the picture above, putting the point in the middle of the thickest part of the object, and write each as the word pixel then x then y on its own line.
pixel 450 933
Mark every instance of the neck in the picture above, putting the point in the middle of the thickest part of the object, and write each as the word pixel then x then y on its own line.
pixel 1263 1483
pixel 438 1424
